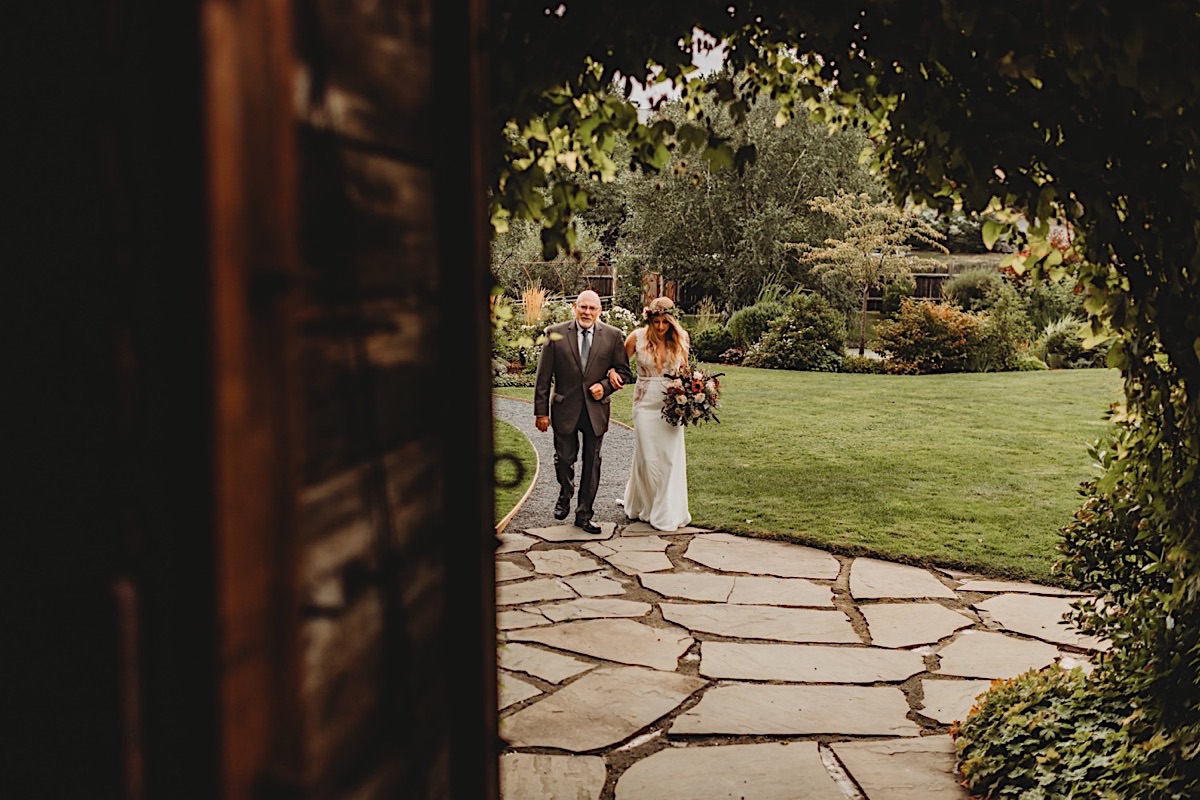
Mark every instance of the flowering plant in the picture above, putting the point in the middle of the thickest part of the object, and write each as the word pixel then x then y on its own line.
pixel 691 396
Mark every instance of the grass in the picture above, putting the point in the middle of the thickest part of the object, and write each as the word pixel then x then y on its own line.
pixel 967 471
pixel 511 485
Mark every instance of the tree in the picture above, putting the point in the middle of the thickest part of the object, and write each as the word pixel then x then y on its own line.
pixel 517 259
pixel 870 252
pixel 722 232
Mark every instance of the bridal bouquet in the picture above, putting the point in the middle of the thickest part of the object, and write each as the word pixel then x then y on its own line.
pixel 692 397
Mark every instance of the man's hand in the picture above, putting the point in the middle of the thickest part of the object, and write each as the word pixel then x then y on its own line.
pixel 597 391
pixel 614 378
pixel 543 423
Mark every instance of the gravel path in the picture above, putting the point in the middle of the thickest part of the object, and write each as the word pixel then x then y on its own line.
pixel 616 457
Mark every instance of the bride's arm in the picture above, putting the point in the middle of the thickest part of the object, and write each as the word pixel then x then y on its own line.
pixel 630 349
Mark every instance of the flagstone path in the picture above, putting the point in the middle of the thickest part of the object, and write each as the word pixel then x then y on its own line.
pixel 636 665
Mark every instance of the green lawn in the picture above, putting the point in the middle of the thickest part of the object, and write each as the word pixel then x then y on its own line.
pixel 510 441
pixel 973 471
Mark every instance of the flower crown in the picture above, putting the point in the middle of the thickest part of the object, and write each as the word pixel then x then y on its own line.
pixel 648 314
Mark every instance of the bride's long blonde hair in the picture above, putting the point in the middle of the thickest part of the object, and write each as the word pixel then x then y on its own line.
pixel 675 338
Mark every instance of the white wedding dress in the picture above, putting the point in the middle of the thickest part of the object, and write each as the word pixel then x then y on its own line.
pixel 657 490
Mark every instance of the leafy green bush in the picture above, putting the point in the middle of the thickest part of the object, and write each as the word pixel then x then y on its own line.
pixel 1116 548
pixel 733 356
pixel 810 336
pixel 709 343
pixel 1060 345
pixel 747 325
pixel 1004 332
pixel 894 292
pixel 927 338
pixel 557 310
pixel 520 379
pixel 1048 300
pixel 1028 362
pixel 622 318
pixel 862 365
pixel 1054 733
pixel 1048 733
pixel 973 289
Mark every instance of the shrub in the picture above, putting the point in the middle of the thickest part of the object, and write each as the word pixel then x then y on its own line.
pixel 1060 345
pixel 1004 332
pixel 747 325
pixel 523 379
pixel 555 311
pixel 810 335
pixel 1053 733
pixel 1057 733
pixel 733 356
pixel 1047 300
pixel 1028 362
pixel 973 289
pixel 707 314
pixel 709 343
pixel 620 317
pixel 896 291
pixel 927 338
pixel 1118 546
pixel 862 364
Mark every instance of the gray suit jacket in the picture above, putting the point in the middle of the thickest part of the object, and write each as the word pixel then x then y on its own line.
pixel 559 365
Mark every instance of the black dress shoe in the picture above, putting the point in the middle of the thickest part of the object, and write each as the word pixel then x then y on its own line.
pixel 587 527
pixel 561 510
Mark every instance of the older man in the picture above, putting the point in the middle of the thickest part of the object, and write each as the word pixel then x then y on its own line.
pixel 575 359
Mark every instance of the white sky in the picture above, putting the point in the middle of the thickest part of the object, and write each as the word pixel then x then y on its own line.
pixel 707 61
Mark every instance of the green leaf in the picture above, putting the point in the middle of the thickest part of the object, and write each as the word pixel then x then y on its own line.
pixel 991 232
pixel 718 154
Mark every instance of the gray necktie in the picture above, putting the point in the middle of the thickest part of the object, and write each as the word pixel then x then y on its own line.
pixel 587 346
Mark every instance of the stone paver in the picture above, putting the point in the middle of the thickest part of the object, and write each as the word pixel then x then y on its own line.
pixel 508 571
pixel 700 586
pixel 666 666
pixel 514 543
pixel 533 775
pixel 594 585
pixel 569 533
pixel 903 769
pixel 761 771
pixel 646 529
pixel 513 690
pixel 519 618
pixel 987 654
pixel 757 709
pixel 763 622
pixel 635 562
pixel 729 553
pixel 620 640
pixel 1040 617
pixel 874 579
pixel 538 590
pixel 594 608
pixel 780 592
pixel 996 587
pixel 807 663
pixel 600 709
pixel 562 561
pixel 908 624
pixel 552 667
pixel 740 589
pixel 948 701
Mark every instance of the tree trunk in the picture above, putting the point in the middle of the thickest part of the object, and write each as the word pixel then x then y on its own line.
pixel 862 323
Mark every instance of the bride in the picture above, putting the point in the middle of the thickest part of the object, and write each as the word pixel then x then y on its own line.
pixel 657 488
